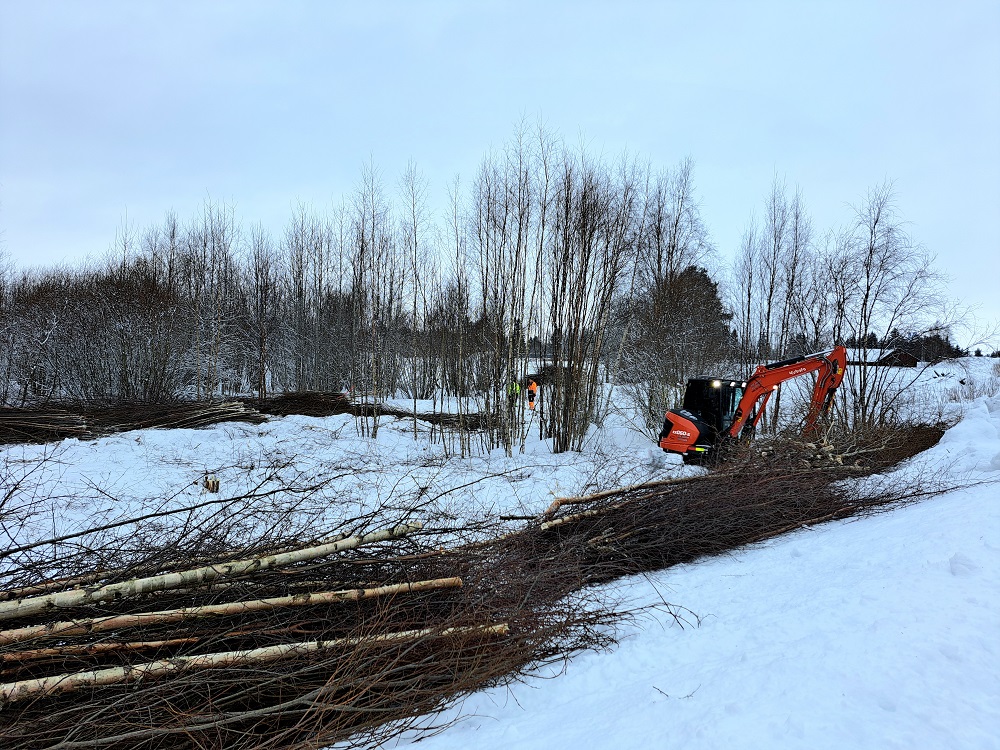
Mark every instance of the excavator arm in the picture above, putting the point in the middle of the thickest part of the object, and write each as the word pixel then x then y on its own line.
pixel 829 366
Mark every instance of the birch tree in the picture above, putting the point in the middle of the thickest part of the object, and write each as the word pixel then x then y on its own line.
pixel 890 285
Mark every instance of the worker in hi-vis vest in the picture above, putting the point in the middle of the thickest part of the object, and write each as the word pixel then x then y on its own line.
pixel 532 392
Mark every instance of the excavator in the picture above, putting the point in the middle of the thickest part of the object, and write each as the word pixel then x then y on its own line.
pixel 717 411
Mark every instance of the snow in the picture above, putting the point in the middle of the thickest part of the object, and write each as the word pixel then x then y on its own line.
pixel 878 632
pixel 869 356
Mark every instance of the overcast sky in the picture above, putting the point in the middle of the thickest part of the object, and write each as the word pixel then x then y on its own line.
pixel 130 109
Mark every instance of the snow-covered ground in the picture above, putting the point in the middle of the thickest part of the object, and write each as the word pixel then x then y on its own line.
pixel 880 632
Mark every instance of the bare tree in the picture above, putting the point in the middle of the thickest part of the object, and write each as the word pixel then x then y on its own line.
pixel 744 291
pixel 504 254
pixel 264 296
pixel 414 221
pixel 889 285
pixel 673 316
pixel 377 283
pixel 593 247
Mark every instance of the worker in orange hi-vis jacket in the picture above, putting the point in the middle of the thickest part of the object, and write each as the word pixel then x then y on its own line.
pixel 532 392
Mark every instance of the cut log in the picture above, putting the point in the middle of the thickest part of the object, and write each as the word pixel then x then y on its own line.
pixel 65 683
pixel 91 649
pixel 35 605
pixel 139 619
pixel 583 514
pixel 561 501
pixel 45 587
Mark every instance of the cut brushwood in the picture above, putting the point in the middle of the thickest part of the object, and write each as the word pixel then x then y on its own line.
pixel 139 619
pixel 64 683
pixel 35 605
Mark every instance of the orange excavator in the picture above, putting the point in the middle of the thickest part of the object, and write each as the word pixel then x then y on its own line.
pixel 716 410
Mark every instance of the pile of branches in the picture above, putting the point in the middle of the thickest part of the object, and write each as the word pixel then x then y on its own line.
pixel 308 403
pixel 87 422
pixel 41 425
pixel 352 639
pixel 326 403
pixel 759 492
pixel 57 420
pixel 867 450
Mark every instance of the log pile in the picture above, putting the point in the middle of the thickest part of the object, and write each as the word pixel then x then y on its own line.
pixel 352 639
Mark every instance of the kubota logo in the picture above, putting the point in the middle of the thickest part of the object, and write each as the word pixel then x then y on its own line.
pixel 798 371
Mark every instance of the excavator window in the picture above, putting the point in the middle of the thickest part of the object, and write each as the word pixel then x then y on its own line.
pixel 713 400
pixel 730 396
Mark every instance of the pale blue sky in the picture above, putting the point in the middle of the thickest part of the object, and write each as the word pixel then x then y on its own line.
pixel 137 108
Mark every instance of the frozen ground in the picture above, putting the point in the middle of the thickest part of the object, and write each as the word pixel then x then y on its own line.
pixel 881 632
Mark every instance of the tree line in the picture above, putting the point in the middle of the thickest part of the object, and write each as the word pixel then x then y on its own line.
pixel 551 262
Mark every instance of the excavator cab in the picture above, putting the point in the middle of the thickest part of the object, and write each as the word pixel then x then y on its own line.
pixel 708 411
pixel 714 399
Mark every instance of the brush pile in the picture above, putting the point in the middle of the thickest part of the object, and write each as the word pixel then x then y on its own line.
pixel 57 421
pixel 351 639
pixel 308 403
pixel 325 404
pixel 355 637
pixel 43 425
pixel 759 493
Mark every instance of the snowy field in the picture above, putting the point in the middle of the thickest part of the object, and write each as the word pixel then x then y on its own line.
pixel 882 632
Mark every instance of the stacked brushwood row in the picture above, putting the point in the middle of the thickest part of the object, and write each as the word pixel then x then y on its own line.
pixel 41 426
pixel 58 421
pixel 352 639
pixel 325 404
pixel 309 403
pixel 46 424
pixel 750 498
pixel 337 640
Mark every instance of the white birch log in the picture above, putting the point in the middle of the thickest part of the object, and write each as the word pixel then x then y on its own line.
pixel 47 586
pixel 582 514
pixel 64 683
pixel 137 619
pixel 89 649
pixel 34 605
pixel 561 501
